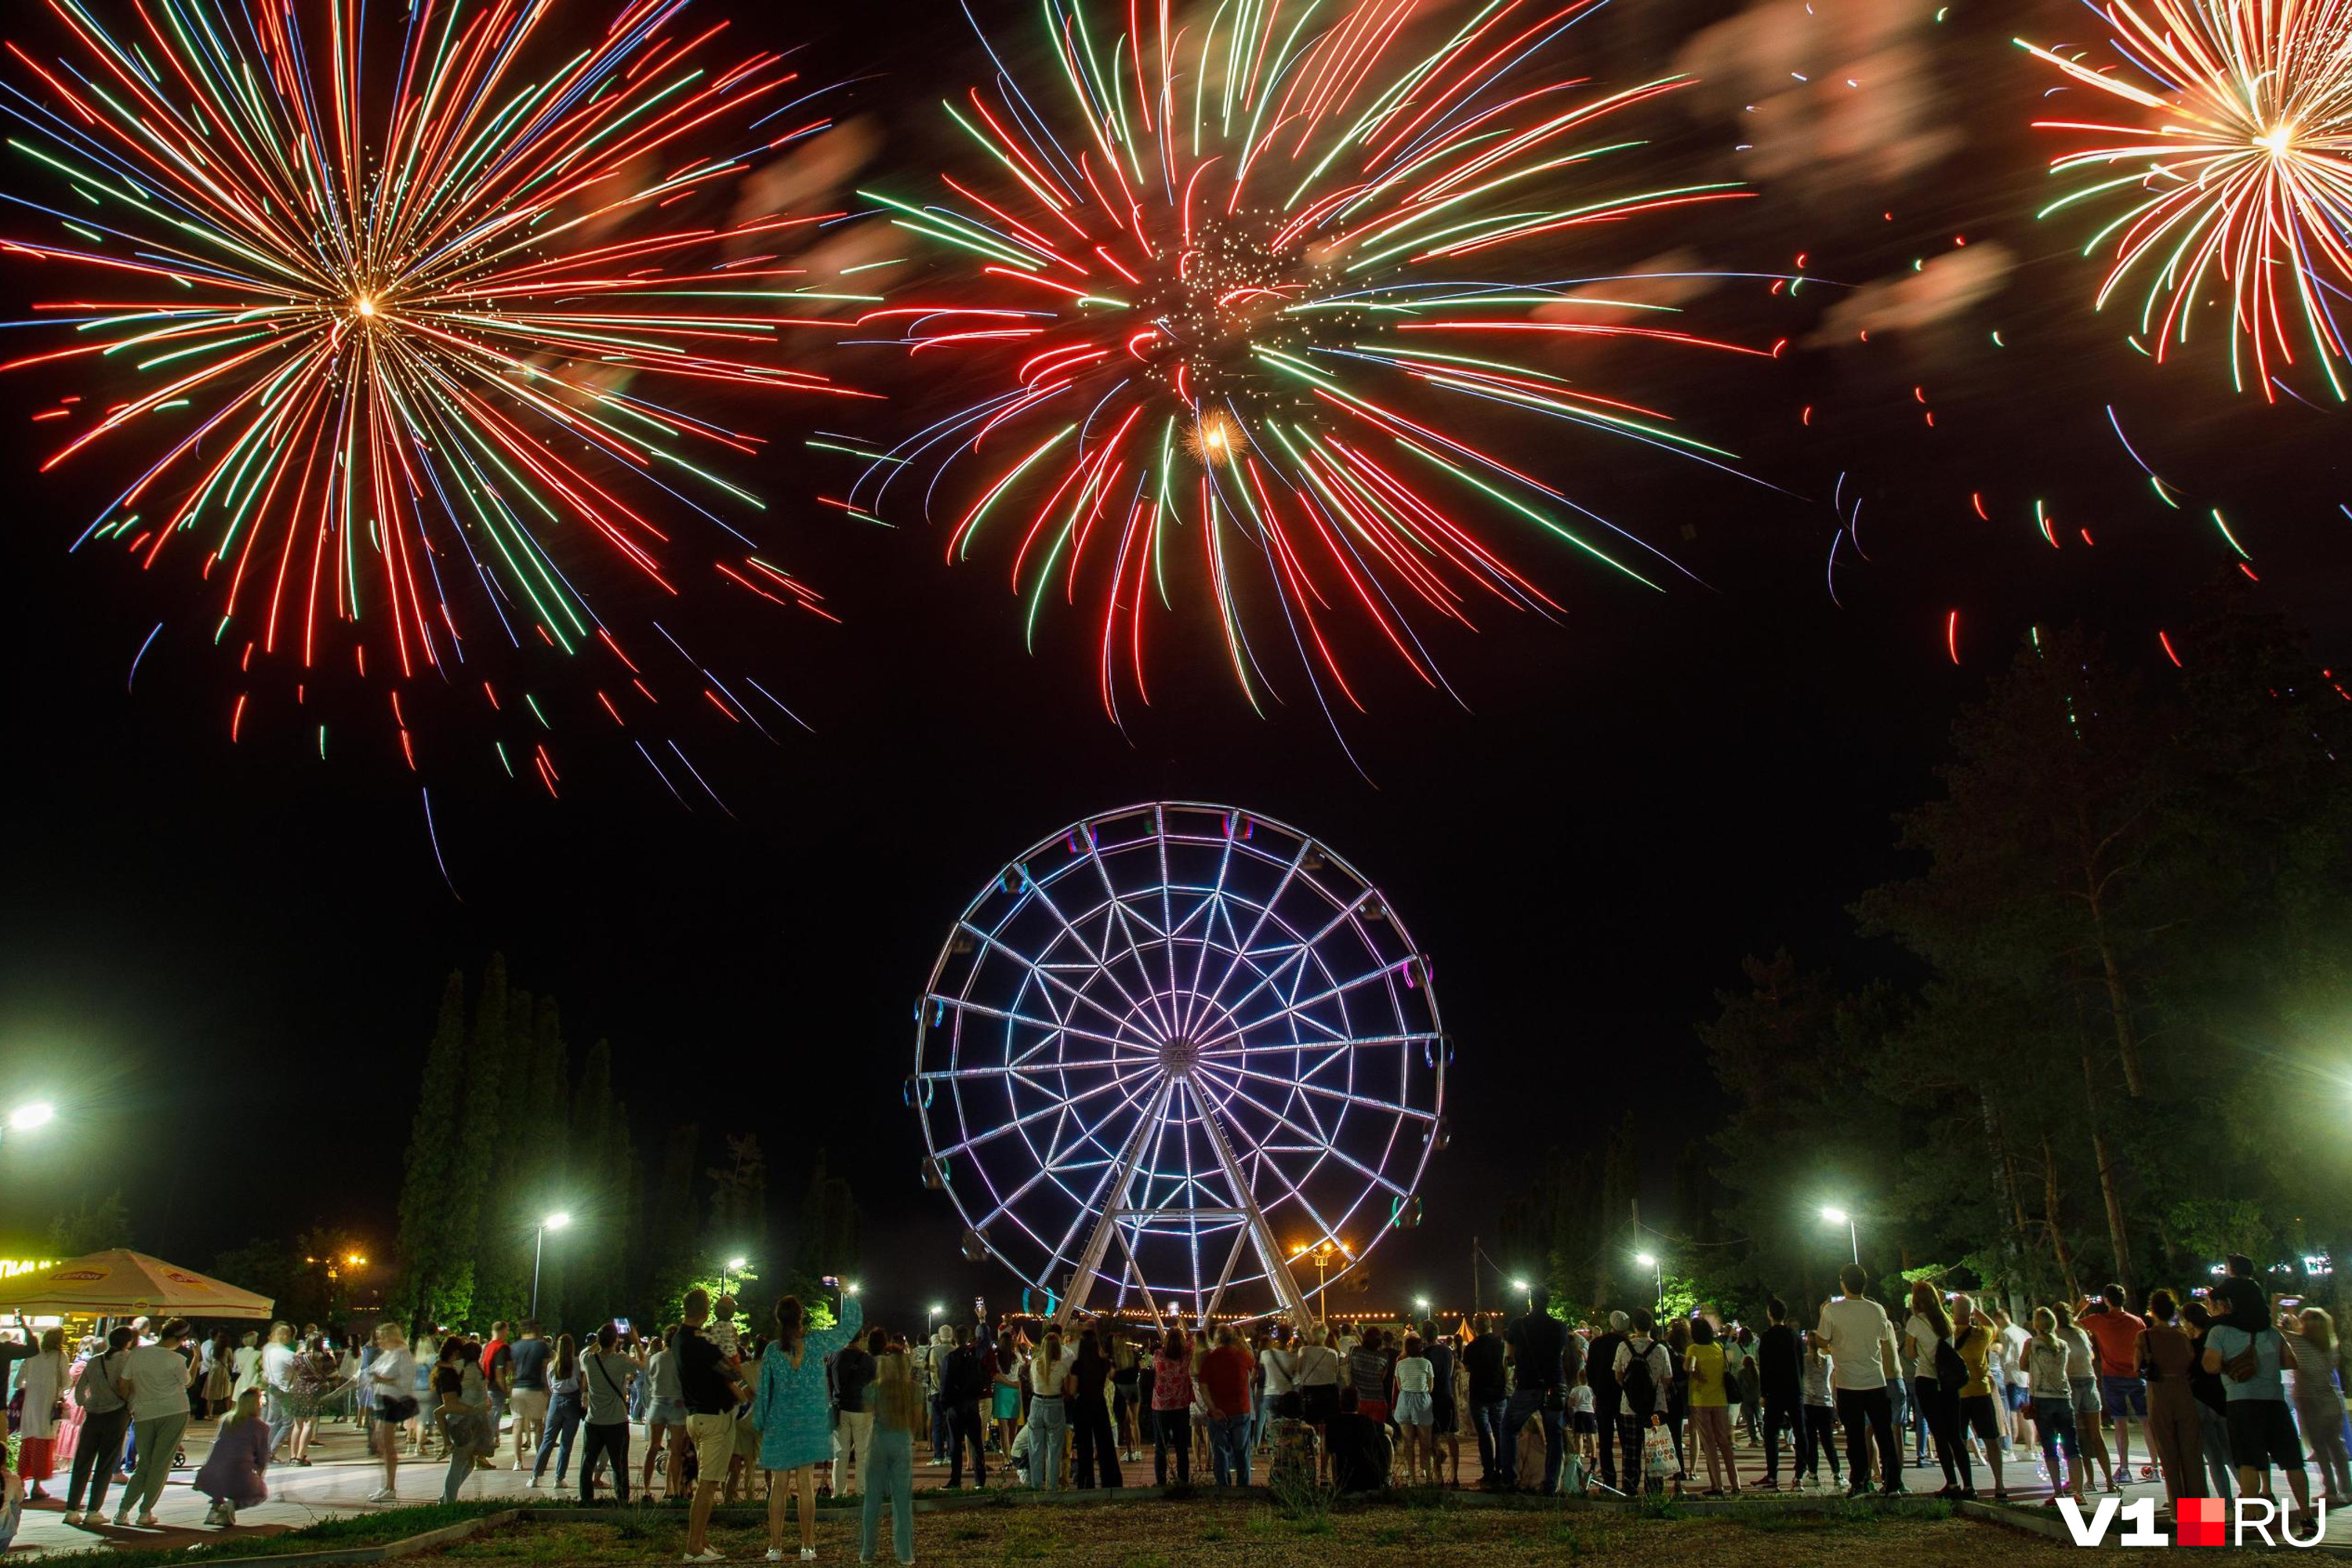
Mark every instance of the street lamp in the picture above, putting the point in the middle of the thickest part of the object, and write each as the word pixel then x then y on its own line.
pixel 555 1221
pixel 1832 1214
pixel 733 1266
pixel 931 1319
pixel 1421 1305
pixel 1320 1254
pixel 31 1114
pixel 1649 1261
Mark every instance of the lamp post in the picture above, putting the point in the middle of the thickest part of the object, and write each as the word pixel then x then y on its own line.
pixel 931 1319
pixel 31 1114
pixel 1420 1307
pixel 1320 1254
pixel 732 1266
pixel 555 1221
pixel 1649 1261
pixel 1832 1214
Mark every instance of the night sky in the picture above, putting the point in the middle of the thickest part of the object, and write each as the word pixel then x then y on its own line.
pixel 223 959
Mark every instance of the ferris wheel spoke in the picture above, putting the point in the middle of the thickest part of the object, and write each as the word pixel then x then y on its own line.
pixel 1300 947
pixel 1047 976
pixel 1372 1102
pixel 1296 1008
pixel 1330 1147
pixel 1022 1120
pixel 1211 904
pixel 1341 1042
pixel 1007 1014
pixel 1100 960
pixel 1264 911
pixel 1126 919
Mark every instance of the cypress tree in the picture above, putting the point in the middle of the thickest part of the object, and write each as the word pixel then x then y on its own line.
pixel 431 1250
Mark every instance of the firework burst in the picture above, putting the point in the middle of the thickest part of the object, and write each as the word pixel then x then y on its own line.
pixel 1217 279
pixel 2231 164
pixel 387 339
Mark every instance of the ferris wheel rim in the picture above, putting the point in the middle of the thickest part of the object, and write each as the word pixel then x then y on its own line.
pixel 1127 1063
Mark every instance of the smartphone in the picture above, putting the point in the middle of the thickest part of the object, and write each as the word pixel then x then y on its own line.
pixel 980 1305
pixel 832 1281
pixel 2289 1303
pixel 621 1325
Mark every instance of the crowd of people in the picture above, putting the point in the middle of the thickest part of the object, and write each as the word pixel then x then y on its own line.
pixel 2222 1389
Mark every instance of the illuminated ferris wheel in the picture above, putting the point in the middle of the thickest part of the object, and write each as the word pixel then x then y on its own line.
pixel 1169 1047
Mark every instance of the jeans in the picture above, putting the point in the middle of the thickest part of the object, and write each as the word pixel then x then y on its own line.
pixel 1524 1403
pixel 93 1461
pixel 964 1426
pixel 156 1438
pixel 1049 1439
pixel 939 1430
pixel 461 1465
pixel 1171 1427
pixel 281 1418
pixel 1229 1448
pixel 853 1435
pixel 1097 1455
pixel 1487 1419
pixel 562 1427
pixel 890 1470
pixel 2213 1432
pixel 1865 1413
pixel 1817 1436
pixel 1781 1414
pixel 604 1438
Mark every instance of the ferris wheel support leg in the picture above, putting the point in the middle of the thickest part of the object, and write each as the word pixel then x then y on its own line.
pixel 1098 1247
pixel 1269 1252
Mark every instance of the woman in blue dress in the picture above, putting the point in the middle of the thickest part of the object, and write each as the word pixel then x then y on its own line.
pixel 794 1414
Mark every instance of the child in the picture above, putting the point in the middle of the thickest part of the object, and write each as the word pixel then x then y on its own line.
pixel 1581 1417
pixel 720 1330
pixel 233 1470
pixel 470 1431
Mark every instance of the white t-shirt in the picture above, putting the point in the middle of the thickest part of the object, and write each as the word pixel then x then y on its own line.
pixel 2080 1361
pixel 1318 1366
pixel 393 1374
pixel 1920 1335
pixel 1412 1374
pixel 1279 1365
pixel 1855 1326
pixel 158 1380
pixel 277 1367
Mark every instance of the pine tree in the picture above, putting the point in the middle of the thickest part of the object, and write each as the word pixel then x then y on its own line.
pixel 674 1250
pixel 436 1285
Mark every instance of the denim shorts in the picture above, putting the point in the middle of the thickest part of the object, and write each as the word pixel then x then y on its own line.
pixel 1413 1407
pixel 2125 1398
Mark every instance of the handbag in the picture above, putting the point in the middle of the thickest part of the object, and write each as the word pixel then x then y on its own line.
pixel 2244 1367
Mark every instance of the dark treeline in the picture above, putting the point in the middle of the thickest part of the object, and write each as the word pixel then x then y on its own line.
pixel 509 1128
pixel 2116 1042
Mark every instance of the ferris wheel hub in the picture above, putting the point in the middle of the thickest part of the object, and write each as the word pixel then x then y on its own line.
pixel 1178 1057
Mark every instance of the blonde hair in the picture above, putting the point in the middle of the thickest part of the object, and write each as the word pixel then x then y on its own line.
pixel 2320 1329
pixel 248 1408
pixel 894 1401
pixel 393 1331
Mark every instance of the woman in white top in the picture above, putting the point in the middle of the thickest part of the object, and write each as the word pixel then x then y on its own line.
pixel 2083 1375
pixel 1279 1364
pixel 1316 1375
pixel 1415 1411
pixel 246 1360
pixel 41 1383
pixel 391 1383
pixel 1050 1370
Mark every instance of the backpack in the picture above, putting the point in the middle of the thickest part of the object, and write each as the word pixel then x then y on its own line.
pixel 1640 1384
pixel 1951 1369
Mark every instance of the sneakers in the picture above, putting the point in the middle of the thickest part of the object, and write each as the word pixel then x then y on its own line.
pixel 808 1553
pixel 775 1554
pixel 149 1521
pixel 708 1554
pixel 73 1516
pixel 122 1517
pixel 534 1483
pixel 383 1494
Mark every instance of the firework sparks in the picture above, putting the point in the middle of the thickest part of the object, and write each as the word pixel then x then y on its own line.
pixel 2231 165
pixel 1216 278
pixel 400 326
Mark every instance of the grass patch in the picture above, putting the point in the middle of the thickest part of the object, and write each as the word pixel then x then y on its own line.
pixel 327 1535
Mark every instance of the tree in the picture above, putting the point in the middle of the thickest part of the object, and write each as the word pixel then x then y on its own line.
pixel 94 1224
pixel 826 1241
pixel 436 1246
